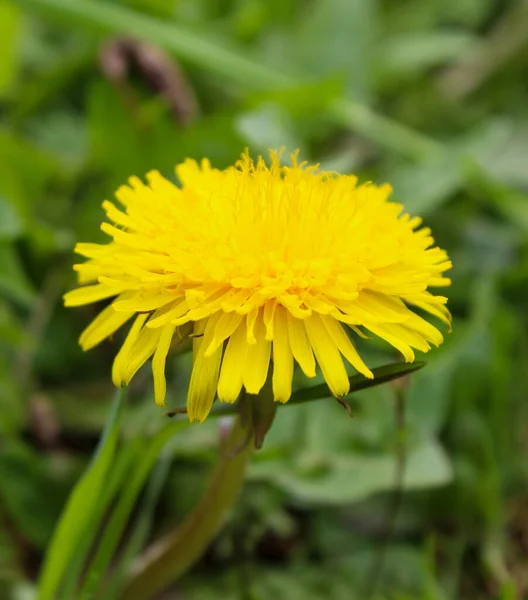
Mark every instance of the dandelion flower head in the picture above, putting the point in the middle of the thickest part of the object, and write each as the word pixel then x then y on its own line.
pixel 269 266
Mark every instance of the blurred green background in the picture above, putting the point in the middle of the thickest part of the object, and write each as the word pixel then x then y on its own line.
pixel 429 95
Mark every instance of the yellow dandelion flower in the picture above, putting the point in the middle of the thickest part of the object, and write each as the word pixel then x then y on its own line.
pixel 269 265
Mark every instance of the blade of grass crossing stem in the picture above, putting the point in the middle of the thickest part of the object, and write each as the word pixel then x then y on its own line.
pixel 76 518
pixel 176 553
pixel 123 465
pixel 143 524
pixel 232 64
pixel 358 382
pixel 115 18
pixel 91 589
pixel 382 375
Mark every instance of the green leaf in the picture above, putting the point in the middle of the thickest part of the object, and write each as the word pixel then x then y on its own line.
pixel 352 477
pixel 411 53
pixel 124 462
pixel 160 8
pixel 510 202
pixel 359 382
pixel 128 496
pixel 304 99
pixel 233 64
pixel 44 87
pixel 28 491
pixel 268 126
pixel 320 456
pixel 509 165
pixel 113 18
pixel 9 28
pixel 13 281
pixel 114 133
pixel 12 331
pixel 76 518
pixel 179 550
pixel 338 35
pixel 10 223
pixel 143 524
pixel 426 187
pixel 25 171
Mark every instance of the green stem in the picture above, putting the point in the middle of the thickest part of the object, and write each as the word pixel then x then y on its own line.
pixel 177 552
pixel 383 130
pixel 375 573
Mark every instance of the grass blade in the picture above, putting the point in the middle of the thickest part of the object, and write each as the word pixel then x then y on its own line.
pixel 232 64
pixel 114 18
pixel 142 526
pixel 359 382
pixel 80 508
pixel 176 553
pixel 123 464
pixel 116 525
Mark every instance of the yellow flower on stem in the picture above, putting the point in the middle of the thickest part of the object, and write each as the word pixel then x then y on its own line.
pixel 267 264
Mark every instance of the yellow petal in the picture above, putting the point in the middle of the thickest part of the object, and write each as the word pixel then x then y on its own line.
pixel 257 360
pixel 407 335
pixel 327 356
pixel 235 300
pixel 205 371
pixel 386 334
pixel 117 216
pixel 141 351
pixel 233 365
pixel 345 345
pixel 144 302
pixel 250 324
pixel 129 239
pixel 90 250
pixel 282 357
pixel 438 310
pixel 203 312
pixel 89 294
pixel 318 304
pixel 198 333
pixel 158 364
pixel 360 333
pixel 269 310
pixel 440 282
pixel 167 314
pixel 123 356
pixel 226 325
pixel 107 322
pixel 301 348
pixel 379 308
pixel 88 272
pixel 425 329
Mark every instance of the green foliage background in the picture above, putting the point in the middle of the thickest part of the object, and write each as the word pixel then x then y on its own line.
pixel 429 95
